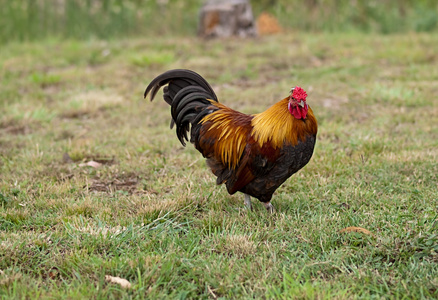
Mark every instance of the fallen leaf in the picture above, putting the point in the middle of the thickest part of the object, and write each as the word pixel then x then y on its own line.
pixel 53 273
pixel 344 205
pixel 91 163
pixel 122 282
pixel 356 229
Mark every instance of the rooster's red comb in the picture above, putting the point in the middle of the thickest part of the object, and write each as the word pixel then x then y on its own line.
pixel 299 94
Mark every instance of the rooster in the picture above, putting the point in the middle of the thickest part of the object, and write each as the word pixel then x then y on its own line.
pixel 252 154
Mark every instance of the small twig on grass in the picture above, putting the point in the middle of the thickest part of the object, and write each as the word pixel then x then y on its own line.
pixel 211 292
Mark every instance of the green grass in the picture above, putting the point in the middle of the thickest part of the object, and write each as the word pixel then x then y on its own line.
pixel 152 214
pixel 30 20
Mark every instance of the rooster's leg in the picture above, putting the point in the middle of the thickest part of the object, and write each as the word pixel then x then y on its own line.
pixel 269 207
pixel 248 202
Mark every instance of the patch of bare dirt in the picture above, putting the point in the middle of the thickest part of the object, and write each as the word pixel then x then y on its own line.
pixel 75 114
pixel 125 183
pixel 14 128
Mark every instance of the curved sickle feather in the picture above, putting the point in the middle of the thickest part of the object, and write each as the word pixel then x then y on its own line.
pixel 168 76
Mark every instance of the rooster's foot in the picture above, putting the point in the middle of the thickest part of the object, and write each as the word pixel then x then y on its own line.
pixel 269 207
pixel 248 202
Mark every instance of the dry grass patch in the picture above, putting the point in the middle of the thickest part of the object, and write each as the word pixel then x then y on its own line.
pixel 89 103
pixel 239 245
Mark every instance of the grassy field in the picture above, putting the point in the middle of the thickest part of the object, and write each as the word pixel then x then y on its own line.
pixel 151 212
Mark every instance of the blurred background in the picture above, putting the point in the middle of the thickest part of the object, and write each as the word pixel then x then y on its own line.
pixel 28 20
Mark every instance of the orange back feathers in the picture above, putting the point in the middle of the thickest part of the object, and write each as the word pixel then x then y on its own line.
pixel 228 130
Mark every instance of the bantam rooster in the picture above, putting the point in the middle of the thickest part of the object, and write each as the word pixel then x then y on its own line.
pixel 252 154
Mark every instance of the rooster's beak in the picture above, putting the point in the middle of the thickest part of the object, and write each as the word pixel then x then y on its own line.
pixel 302 104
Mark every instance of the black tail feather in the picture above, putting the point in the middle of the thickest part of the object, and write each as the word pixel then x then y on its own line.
pixel 181 101
pixel 191 78
pixel 187 93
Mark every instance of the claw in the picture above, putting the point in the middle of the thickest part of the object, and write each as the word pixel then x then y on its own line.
pixel 269 207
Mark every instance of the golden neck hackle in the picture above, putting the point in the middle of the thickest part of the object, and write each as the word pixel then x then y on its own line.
pixel 277 126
